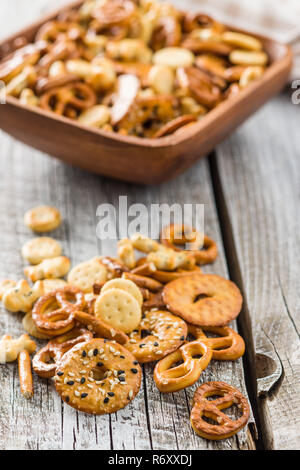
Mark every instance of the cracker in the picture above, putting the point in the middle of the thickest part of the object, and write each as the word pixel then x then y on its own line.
pixel 49 285
pixel 42 219
pixel 126 285
pixel 29 327
pixel 38 249
pixel 86 274
pixel 119 309
pixel 203 299
pixel 48 269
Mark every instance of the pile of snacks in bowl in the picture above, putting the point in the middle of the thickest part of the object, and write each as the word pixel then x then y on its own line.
pixel 151 304
pixel 139 68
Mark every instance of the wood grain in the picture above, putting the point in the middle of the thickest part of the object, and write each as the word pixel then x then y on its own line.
pixel 260 172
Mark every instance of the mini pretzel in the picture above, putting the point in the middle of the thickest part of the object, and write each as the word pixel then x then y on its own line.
pixel 200 86
pixel 114 12
pixel 228 347
pixel 165 333
pixel 115 267
pixel 171 379
pixel 25 374
pixel 45 84
pixel 55 349
pixel 199 46
pixel 144 282
pixel 167 276
pixel 77 95
pixel 224 427
pixel 203 299
pixel 167 33
pixel 98 377
pixel 154 300
pixel 145 269
pixel 174 125
pixel 175 234
pixel 60 320
pixel 100 328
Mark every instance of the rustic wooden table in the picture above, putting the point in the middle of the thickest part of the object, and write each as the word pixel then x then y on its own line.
pixel 250 188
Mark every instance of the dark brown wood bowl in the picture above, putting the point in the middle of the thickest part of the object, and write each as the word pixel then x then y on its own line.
pixel 134 159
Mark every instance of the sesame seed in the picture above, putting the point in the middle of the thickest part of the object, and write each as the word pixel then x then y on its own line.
pixel 67 399
pixel 99 364
pixel 85 362
pixel 130 393
pixel 155 343
pixel 76 393
pixel 106 400
pixel 120 372
pixel 101 351
pixel 122 357
pixel 70 382
pixel 113 333
pixel 142 345
pixel 78 381
pixel 95 352
pixel 91 379
pixel 89 385
pixel 111 394
pixel 83 354
pixel 90 353
pixel 158 352
pixel 121 379
pixel 181 338
pixel 135 362
pixel 71 374
pixel 82 380
pixel 132 341
pixel 134 371
pixel 84 395
pixel 59 373
pixel 82 371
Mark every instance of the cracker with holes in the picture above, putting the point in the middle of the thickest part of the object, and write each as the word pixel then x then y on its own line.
pixel 98 377
pixel 119 309
pixel 203 299
pixel 86 274
pixel 42 219
pixel 126 285
pixel 158 334
pixel 38 249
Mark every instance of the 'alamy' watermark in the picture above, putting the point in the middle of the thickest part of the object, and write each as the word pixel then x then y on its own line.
pixel 2 92
pixel 296 95
pixel 123 220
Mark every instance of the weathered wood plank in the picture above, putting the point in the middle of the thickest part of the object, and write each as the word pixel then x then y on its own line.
pixel 260 173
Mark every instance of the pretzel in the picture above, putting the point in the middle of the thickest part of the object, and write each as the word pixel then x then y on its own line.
pixel 10 348
pixel 203 299
pixel 51 31
pixel 193 21
pixel 45 84
pixel 174 125
pixel 167 33
pixel 98 377
pixel 99 328
pixel 144 282
pixel 60 320
pixel 115 267
pixel 165 333
pixel 228 347
pixel 61 50
pixel 144 269
pixel 25 374
pixel 30 327
pixel 170 378
pixel 114 12
pixel 201 88
pixel 175 234
pixel 154 300
pixel 224 427
pixel 199 46
pixel 167 276
pixel 76 95
pixel 46 359
pixel 17 61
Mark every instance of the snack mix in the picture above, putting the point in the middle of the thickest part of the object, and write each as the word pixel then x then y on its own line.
pixel 139 68
pixel 150 304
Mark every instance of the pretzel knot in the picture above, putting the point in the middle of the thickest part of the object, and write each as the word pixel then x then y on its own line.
pixel 180 234
pixel 228 347
pixel 55 321
pixel 225 427
pixel 171 379
pixel 55 349
pixel 77 96
pixel 114 12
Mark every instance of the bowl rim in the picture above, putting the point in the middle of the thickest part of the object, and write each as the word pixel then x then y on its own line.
pixel 173 139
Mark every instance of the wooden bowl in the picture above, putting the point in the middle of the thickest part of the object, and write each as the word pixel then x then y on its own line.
pixel 134 159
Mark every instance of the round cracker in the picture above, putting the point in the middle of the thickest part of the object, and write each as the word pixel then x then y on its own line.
pixel 86 274
pixel 42 218
pixel 203 299
pixel 38 249
pixel 119 309
pixel 126 285
pixel 29 327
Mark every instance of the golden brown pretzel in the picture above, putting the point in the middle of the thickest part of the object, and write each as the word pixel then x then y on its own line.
pixel 25 374
pixel 179 234
pixel 224 427
pixel 114 12
pixel 144 282
pixel 114 266
pixel 174 125
pixel 229 346
pixel 201 87
pixel 195 20
pixel 167 33
pixel 55 349
pixel 45 84
pixel 199 46
pixel 171 379
pixel 51 31
pixel 61 319
pixel 164 334
pixel 77 95
pixel 100 328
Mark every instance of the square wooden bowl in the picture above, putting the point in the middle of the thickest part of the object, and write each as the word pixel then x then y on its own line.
pixel 145 161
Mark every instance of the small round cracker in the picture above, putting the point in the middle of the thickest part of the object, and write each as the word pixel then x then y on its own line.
pixel 42 219
pixel 38 249
pixel 119 309
pixel 203 299
pixel 86 274
pixel 29 327
pixel 126 285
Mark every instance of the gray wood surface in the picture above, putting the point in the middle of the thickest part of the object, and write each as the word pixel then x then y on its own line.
pixel 258 171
